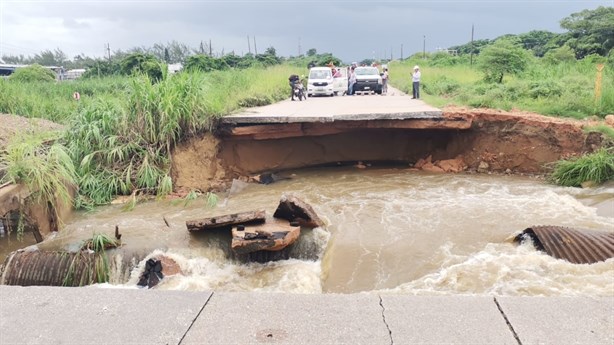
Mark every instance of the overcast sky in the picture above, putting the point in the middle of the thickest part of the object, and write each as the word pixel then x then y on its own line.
pixel 351 30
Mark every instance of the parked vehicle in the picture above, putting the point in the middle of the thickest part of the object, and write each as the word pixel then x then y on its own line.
pixel 320 82
pixel 340 83
pixel 368 79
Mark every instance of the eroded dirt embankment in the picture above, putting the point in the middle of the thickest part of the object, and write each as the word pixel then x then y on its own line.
pixel 515 142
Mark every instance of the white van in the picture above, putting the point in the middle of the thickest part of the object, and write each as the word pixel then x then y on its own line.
pixel 320 82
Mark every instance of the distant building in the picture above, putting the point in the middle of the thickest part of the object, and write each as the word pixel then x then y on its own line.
pixel 174 67
pixel 74 73
pixel 7 69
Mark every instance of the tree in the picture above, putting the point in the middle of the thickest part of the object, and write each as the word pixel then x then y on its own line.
pixel 45 58
pixel 101 68
pixel 469 48
pixel 270 51
pixel 325 59
pixel 561 54
pixel 590 31
pixel 536 41
pixel 311 52
pixel 167 56
pixel 32 73
pixel 142 63
pixel 204 63
pixel 502 57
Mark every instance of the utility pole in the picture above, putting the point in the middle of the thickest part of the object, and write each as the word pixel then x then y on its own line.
pixel 401 51
pixel 390 53
pixel 299 46
pixel 109 51
pixel 471 45
pixel 424 47
pixel 249 45
pixel 210 48
pixel 255 48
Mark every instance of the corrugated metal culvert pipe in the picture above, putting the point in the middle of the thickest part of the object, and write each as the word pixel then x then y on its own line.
pixel 575 246
pixel 28 268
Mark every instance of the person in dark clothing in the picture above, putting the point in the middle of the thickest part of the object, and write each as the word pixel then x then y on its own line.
pixel 292 81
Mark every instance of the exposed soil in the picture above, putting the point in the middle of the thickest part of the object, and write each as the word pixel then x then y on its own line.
pixel 498 141
pixel 11 125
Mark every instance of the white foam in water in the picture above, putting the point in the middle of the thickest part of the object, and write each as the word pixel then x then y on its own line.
pixel 507 270
pixel 201 273
pixel 394 231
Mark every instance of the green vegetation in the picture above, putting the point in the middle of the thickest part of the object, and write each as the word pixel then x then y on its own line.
pixel 563 89
pixel 86 268
pixel 120 135
pixel 43 165
pixel 603 129
pixel 535 71
pixel 501 58
pixel 32 73
pixel 55 101
pixel 597 167
pixel 138 63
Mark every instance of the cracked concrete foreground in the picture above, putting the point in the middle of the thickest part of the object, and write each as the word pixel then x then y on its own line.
pixel 48 315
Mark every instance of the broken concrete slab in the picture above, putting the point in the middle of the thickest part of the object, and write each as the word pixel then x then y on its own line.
pixel 254 318
pixel 445 320
pixel 257 216
pixel 560 320
pixel 43 315
pixel 293 209
pixel 272 236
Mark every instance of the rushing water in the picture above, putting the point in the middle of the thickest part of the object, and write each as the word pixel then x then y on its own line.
pixel 389 230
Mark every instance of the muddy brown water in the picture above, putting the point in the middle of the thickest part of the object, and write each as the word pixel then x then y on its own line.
pixel 389 229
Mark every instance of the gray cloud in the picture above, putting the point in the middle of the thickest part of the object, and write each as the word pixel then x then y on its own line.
pixel 352 30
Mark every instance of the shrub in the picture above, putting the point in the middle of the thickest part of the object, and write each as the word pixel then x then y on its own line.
pixel 561 54
pixel 597 167
pixel 147 64
pixel 545 88
pixel 442 86
pixel 33 73
pixel 500 58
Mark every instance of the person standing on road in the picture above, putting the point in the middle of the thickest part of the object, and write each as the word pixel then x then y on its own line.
pixel 352 81
pixel 385 81
pixel 416 82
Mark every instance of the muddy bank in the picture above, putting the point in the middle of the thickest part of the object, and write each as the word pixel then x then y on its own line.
pixel 496 141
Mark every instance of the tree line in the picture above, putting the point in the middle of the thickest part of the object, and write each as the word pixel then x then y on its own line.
pixel 589 32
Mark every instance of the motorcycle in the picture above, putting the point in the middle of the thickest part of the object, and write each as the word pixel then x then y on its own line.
pixel 299 90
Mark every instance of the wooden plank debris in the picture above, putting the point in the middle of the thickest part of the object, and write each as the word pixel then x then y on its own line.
pixel 226 220
pixel 271 236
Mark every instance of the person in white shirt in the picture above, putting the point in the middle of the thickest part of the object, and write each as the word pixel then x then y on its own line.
pixel 416 82
pixel 385 81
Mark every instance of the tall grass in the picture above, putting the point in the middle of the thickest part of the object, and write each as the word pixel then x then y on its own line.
pixel 121 133
pixel 597 167
pixel 123 146
pixel 566 89
pixel 54 101
pixel 43 165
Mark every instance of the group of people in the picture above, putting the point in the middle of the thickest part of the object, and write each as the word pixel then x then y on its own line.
pixel 295 79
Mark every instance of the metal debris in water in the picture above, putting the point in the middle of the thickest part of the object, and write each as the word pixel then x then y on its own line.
pixel 575 246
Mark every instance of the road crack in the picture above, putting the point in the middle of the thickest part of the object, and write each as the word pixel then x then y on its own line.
pixel 195 318
pixel 509 324
pixel 381 303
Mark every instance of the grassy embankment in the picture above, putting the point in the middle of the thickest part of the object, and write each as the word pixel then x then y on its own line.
pixel 565 90
pixel 120 135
